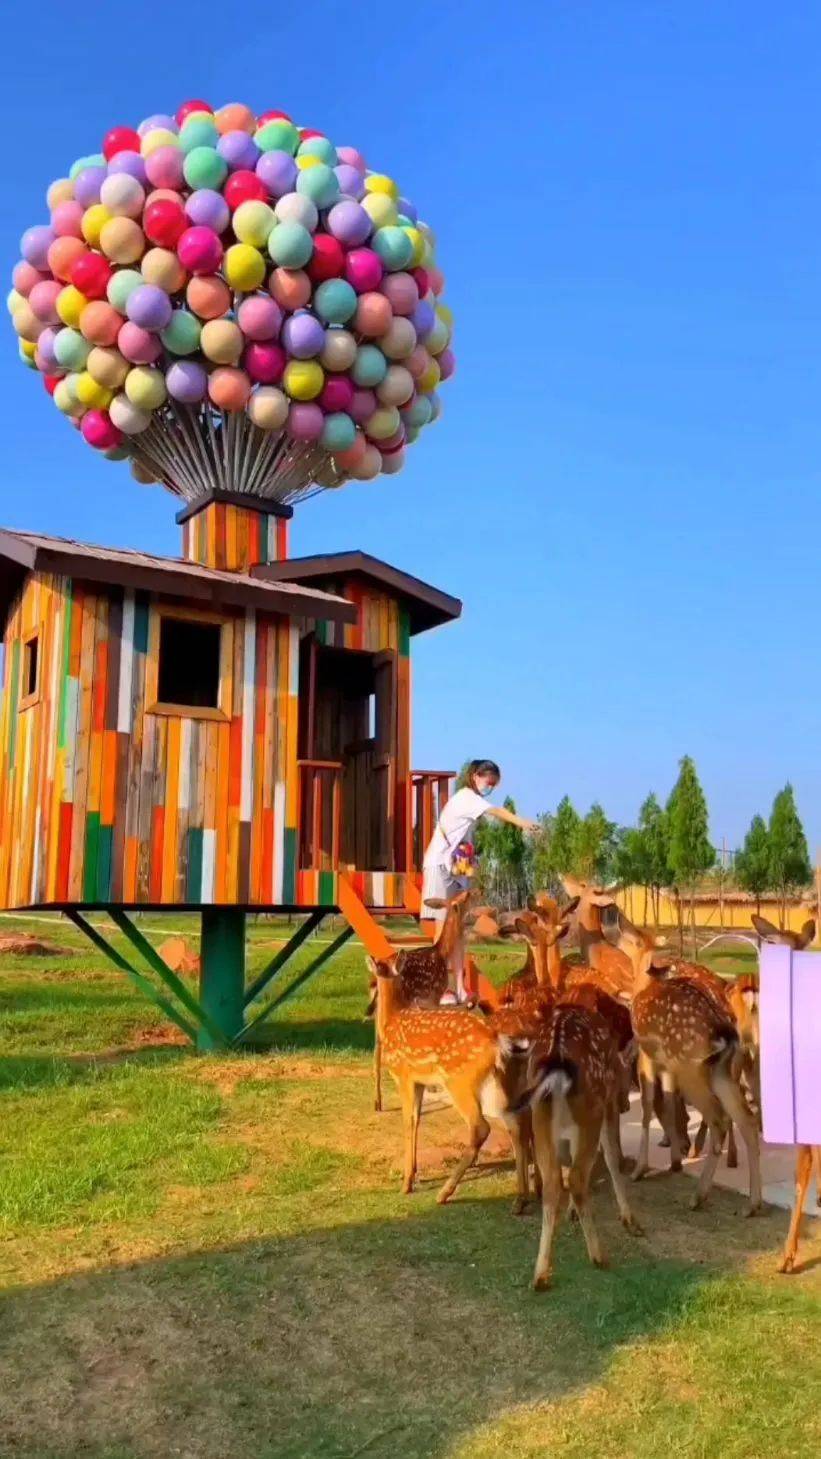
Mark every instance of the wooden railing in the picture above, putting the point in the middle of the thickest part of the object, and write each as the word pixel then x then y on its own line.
pixel 320 814
pixel 429 791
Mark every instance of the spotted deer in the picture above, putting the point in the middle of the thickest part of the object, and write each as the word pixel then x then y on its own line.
pixel 693 1042
pixel 807 1157
pixel 427 972
pixel 450 1048
pixel 542 925
pixel 571 1092
pixel 611 965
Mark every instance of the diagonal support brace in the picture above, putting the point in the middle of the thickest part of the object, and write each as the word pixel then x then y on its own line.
pixel 313 967
pixel 138 979
pixel 284 955
pixel 167 976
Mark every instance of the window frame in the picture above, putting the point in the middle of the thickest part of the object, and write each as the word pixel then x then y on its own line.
pixel 153 704
pixel 32 635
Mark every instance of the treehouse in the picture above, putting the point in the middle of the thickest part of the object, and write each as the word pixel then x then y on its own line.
pixel 225 732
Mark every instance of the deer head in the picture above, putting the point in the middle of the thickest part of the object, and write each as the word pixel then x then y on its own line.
pixel 644 950
pixel 768 932
pixel 542 925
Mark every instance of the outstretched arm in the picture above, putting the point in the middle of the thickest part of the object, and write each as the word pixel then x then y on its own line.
pixel 511 819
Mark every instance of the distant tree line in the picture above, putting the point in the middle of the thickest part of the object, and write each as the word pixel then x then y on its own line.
pixel 669 848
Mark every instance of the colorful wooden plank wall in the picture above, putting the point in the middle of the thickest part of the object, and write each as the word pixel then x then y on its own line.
pixel 382 623
pixel 102 801
pixel 234 539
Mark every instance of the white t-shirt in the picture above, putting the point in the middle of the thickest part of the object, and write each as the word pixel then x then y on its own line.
pixel 456 824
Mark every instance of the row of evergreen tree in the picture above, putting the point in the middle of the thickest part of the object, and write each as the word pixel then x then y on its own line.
pixel 669 847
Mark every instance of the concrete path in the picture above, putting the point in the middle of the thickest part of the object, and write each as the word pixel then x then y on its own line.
pixel 777 1163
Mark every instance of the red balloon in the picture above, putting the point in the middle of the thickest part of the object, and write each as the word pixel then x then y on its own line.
pixel 164 222
pixel 244 186
pixel 306 132
pixel 189 106
pixel 51 382
pixel 420 278
pixel 272 116
pixel 90 274
pixel 120 139
pixel 328 260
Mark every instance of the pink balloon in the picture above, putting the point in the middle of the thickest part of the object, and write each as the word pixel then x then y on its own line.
pixel 265 363
pixel 25 276
pixel 402 292
pixel 362 406
pixel 305 422
pixel 364 269
pixel 99 430
pixel 66 220
pixel 43 300
pixel 259 318
pixel 200 251
pixel 138 345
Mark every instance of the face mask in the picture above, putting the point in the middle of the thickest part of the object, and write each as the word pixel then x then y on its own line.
pixel 487 792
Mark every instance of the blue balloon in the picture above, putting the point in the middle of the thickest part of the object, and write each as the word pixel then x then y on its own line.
pixel 335 301
pixel 338 432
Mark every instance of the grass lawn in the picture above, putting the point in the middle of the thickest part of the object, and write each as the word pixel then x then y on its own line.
pixel 210 1258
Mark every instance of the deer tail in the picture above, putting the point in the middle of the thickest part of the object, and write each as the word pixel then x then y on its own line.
pixel 555 1078
pixel 724 1044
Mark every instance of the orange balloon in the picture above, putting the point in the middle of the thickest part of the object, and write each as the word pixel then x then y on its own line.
pixel 100 323
pixel 235 118
pixel 229 388
pixel 290 287
pixel 208 296
pixel 62 253
pixel 373 315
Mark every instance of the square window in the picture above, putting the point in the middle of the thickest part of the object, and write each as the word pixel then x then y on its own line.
pixel 188 671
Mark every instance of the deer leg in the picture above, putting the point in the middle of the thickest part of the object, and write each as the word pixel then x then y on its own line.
pixel 377 1072
pixel 658 1106
pixel 612 1158
pixel 478 1130
pixel 553 1195
pixel 669 1114
pixel 410 1096
pixel 647 1086
pixel 697 1088
pixel 579 1186
pixel 729 1092
pixel 816 1165
pixel 519 1134
pixel 701 1136
pixel 732 1149
pixel 806 1158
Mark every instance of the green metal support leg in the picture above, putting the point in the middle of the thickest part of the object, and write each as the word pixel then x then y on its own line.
pixel 222 973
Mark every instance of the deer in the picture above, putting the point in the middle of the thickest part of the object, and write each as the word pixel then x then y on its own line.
pixel 684 1033
pixel 542 925
pixel 807 1157
pixel 611 966
pixel 448 1047
pixel 571 1092
pixel 427 972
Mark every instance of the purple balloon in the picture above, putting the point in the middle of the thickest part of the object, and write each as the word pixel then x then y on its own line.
pixel 45 345
pixel 238 150
pixel 349 223
pixel 35 244
pixel 305 422
pixel 423 318
pixel 351 181
pixel 149 307
pixel 303 335
pixel 186 381
pixel 169 124
pixel 130 162
pixel 87 185
pixel 208 209
pixel 408 208
pixel 278 171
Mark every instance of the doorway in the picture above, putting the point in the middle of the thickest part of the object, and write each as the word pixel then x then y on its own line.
pixel 347 704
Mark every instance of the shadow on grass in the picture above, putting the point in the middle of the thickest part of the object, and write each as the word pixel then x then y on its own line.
pixel 315 1035
pixel 396 1335
pixel 21 1073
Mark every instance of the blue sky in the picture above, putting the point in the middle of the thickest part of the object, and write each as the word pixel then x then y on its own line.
pixel 624 487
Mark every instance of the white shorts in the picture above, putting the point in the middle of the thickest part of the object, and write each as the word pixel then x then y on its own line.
pixel 439 882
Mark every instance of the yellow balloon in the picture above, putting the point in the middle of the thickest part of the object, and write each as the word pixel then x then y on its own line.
pixel 122 240
pixel 303 379
pixel 377 182
pixel 70 305
pixel 306 159
pixel 64 397
pixel 90 393
pixel 107 367
pixel 61 191
pixel 14 301
pixel 92 223
pixel 430 379
pixel 162 267
pixel 145 387
pixel 445 314
pixel 418 245
pixel 158 137
pixel 381 209
pixel 28 348
pixel 244 267
pixel 221 341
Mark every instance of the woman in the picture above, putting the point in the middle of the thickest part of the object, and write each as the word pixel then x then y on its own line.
pixel 455 826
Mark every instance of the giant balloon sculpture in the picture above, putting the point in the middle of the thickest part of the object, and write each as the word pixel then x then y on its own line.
pixel 232 301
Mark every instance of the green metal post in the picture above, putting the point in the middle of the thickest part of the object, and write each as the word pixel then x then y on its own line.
pixel 222 972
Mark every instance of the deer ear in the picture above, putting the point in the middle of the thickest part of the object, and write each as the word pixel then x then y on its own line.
pixel 372 965
pixel 564 928
pixel 573 886
pixel 764 928
pixel 371 1008
pixel 511 1046
pixel 807 932
pixel 523 928
pixel 435 903
pixel 532 904
pixel 569 909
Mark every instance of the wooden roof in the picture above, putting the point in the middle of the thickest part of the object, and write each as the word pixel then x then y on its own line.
pixel 428 606
pixel 24 552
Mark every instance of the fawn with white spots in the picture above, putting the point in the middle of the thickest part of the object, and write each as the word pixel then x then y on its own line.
pixel 426 973
pixel 450 1048
pixel 572 1093
pixel 808 1157
pixel 692 1041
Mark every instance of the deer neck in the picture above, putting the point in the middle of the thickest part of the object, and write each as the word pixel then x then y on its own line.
pixel 553 964
pixel 450 943
pixel 589 928
pixel 388 1002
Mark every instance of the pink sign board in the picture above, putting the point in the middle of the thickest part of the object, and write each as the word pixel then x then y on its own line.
pixel 790 1022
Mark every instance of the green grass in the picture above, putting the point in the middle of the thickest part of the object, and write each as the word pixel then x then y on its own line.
pixel 210 1257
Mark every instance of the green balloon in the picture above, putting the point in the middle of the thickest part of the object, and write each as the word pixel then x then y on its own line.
pixel 199 132
pixel 182 333
pixel 71 350
pixel 278 136
pixel 203 167
pixel 121 286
